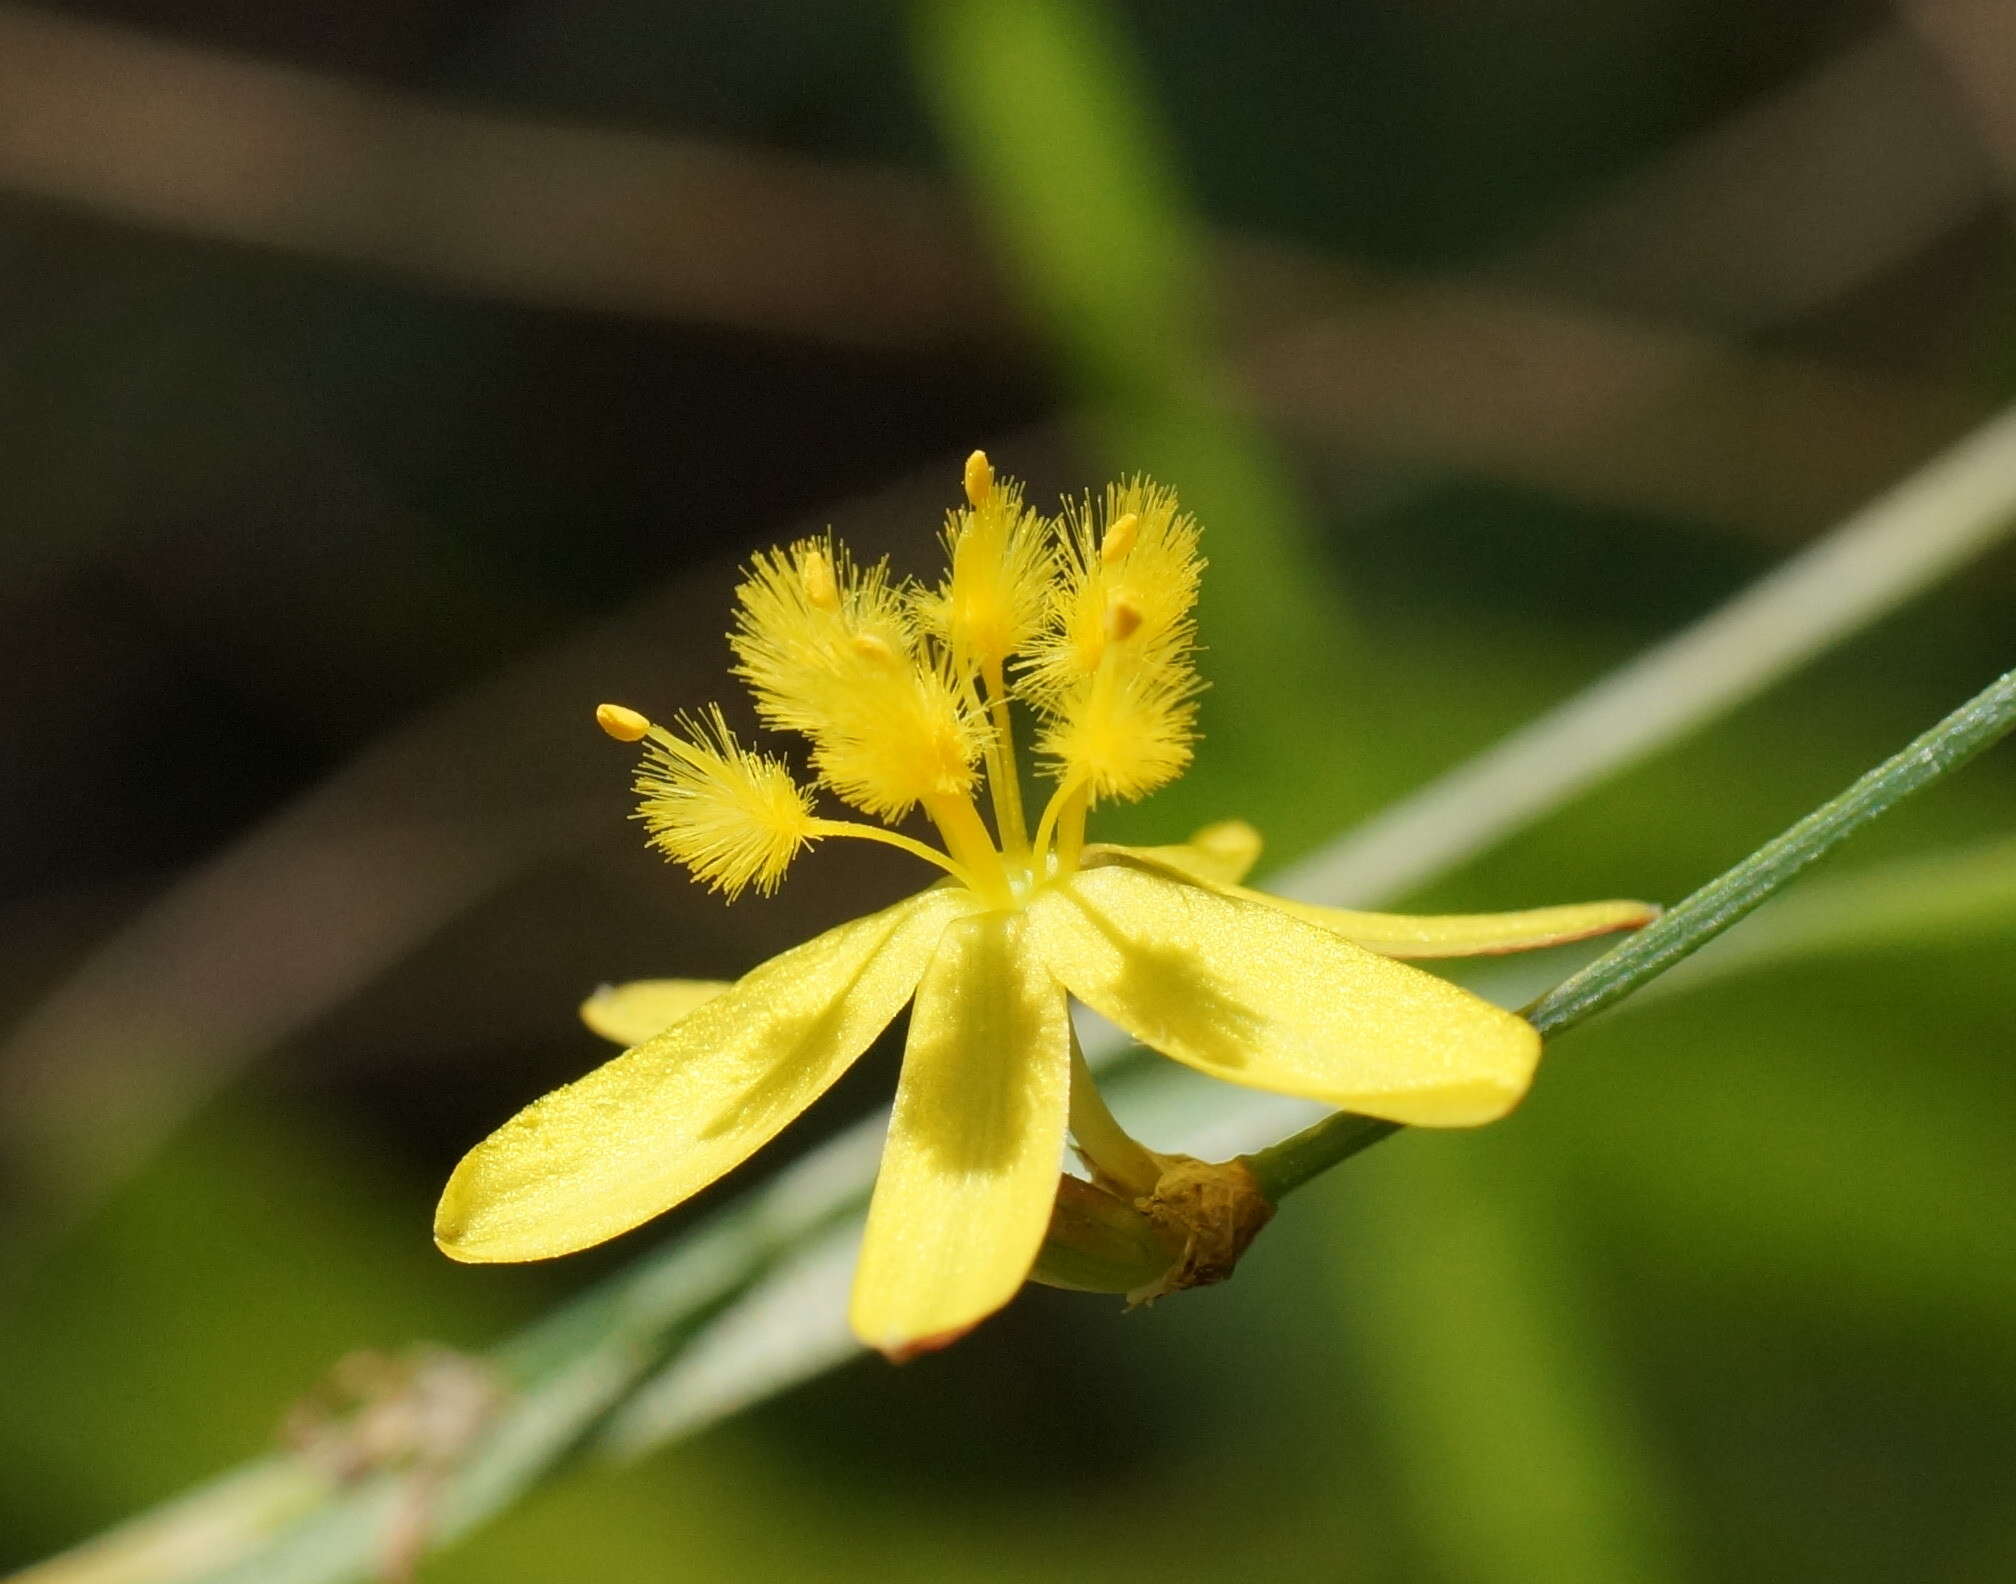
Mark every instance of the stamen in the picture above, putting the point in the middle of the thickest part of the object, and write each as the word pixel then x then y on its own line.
pixel 1136 543
pixel 1004 773
pixel 994 600
pixel 966 839
pixel 1069 793
pixel 1112 676
pixel 621 722
pixel 885 717
pixel 733 816
pixel 979 478
pixel 889 838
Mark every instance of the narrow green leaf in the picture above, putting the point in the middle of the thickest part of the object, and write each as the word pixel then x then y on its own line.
pixel 1977 724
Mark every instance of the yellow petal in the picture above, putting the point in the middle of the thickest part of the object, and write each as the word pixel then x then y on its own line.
pixel 1471 934
pixel 1220 854
pixel 662 1121
pixel 631 1013
pixel 1213 858
pixel 976 1141
pixel 1249 994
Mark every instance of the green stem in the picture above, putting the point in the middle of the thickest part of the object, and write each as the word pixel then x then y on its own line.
pixel 1981 721
pixel 1976 725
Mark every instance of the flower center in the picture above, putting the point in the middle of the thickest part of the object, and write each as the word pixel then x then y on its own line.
pixel 908 696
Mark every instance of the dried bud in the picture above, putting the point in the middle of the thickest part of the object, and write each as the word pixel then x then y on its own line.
pixel 1189 1232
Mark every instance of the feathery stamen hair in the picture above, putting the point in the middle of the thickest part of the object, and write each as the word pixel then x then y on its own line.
pixel 993 602
pixel 733 816
pixel 1111 674
pixel 832 651
pixel 1136 546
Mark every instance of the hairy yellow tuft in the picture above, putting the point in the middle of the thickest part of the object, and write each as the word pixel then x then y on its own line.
pixel 1111 672
pixel 1123 737
pixel 903 733
pixel 994 602
pixel 734 817
pixel 832 651
pixel 799 613
pixel 1138 550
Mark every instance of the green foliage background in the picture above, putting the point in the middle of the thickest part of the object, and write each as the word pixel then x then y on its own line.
pixel 1731 1298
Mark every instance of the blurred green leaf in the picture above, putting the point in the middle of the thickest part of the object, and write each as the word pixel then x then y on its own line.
pixel 1048 110
pixel 1514 1443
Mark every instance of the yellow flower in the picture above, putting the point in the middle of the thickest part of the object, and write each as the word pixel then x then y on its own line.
pixel 908 700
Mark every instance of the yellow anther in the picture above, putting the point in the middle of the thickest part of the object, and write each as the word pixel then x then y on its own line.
pixel 869 647
pixel 815 574
pixel 1119 538
pixel 624 724
pixel 1123 618
pixel 979 478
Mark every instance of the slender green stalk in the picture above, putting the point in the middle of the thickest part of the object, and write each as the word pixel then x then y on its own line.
pixel 1976 725
pixel 1981 721
pixel 1900 544
pixel 1928 899
pixel 1282 1168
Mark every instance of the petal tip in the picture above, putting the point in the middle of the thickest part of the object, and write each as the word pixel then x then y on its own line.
pixel 452 1240
pixel 450 1245
pixel 453 1234
pixel 904 1352
pixel 464 1228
